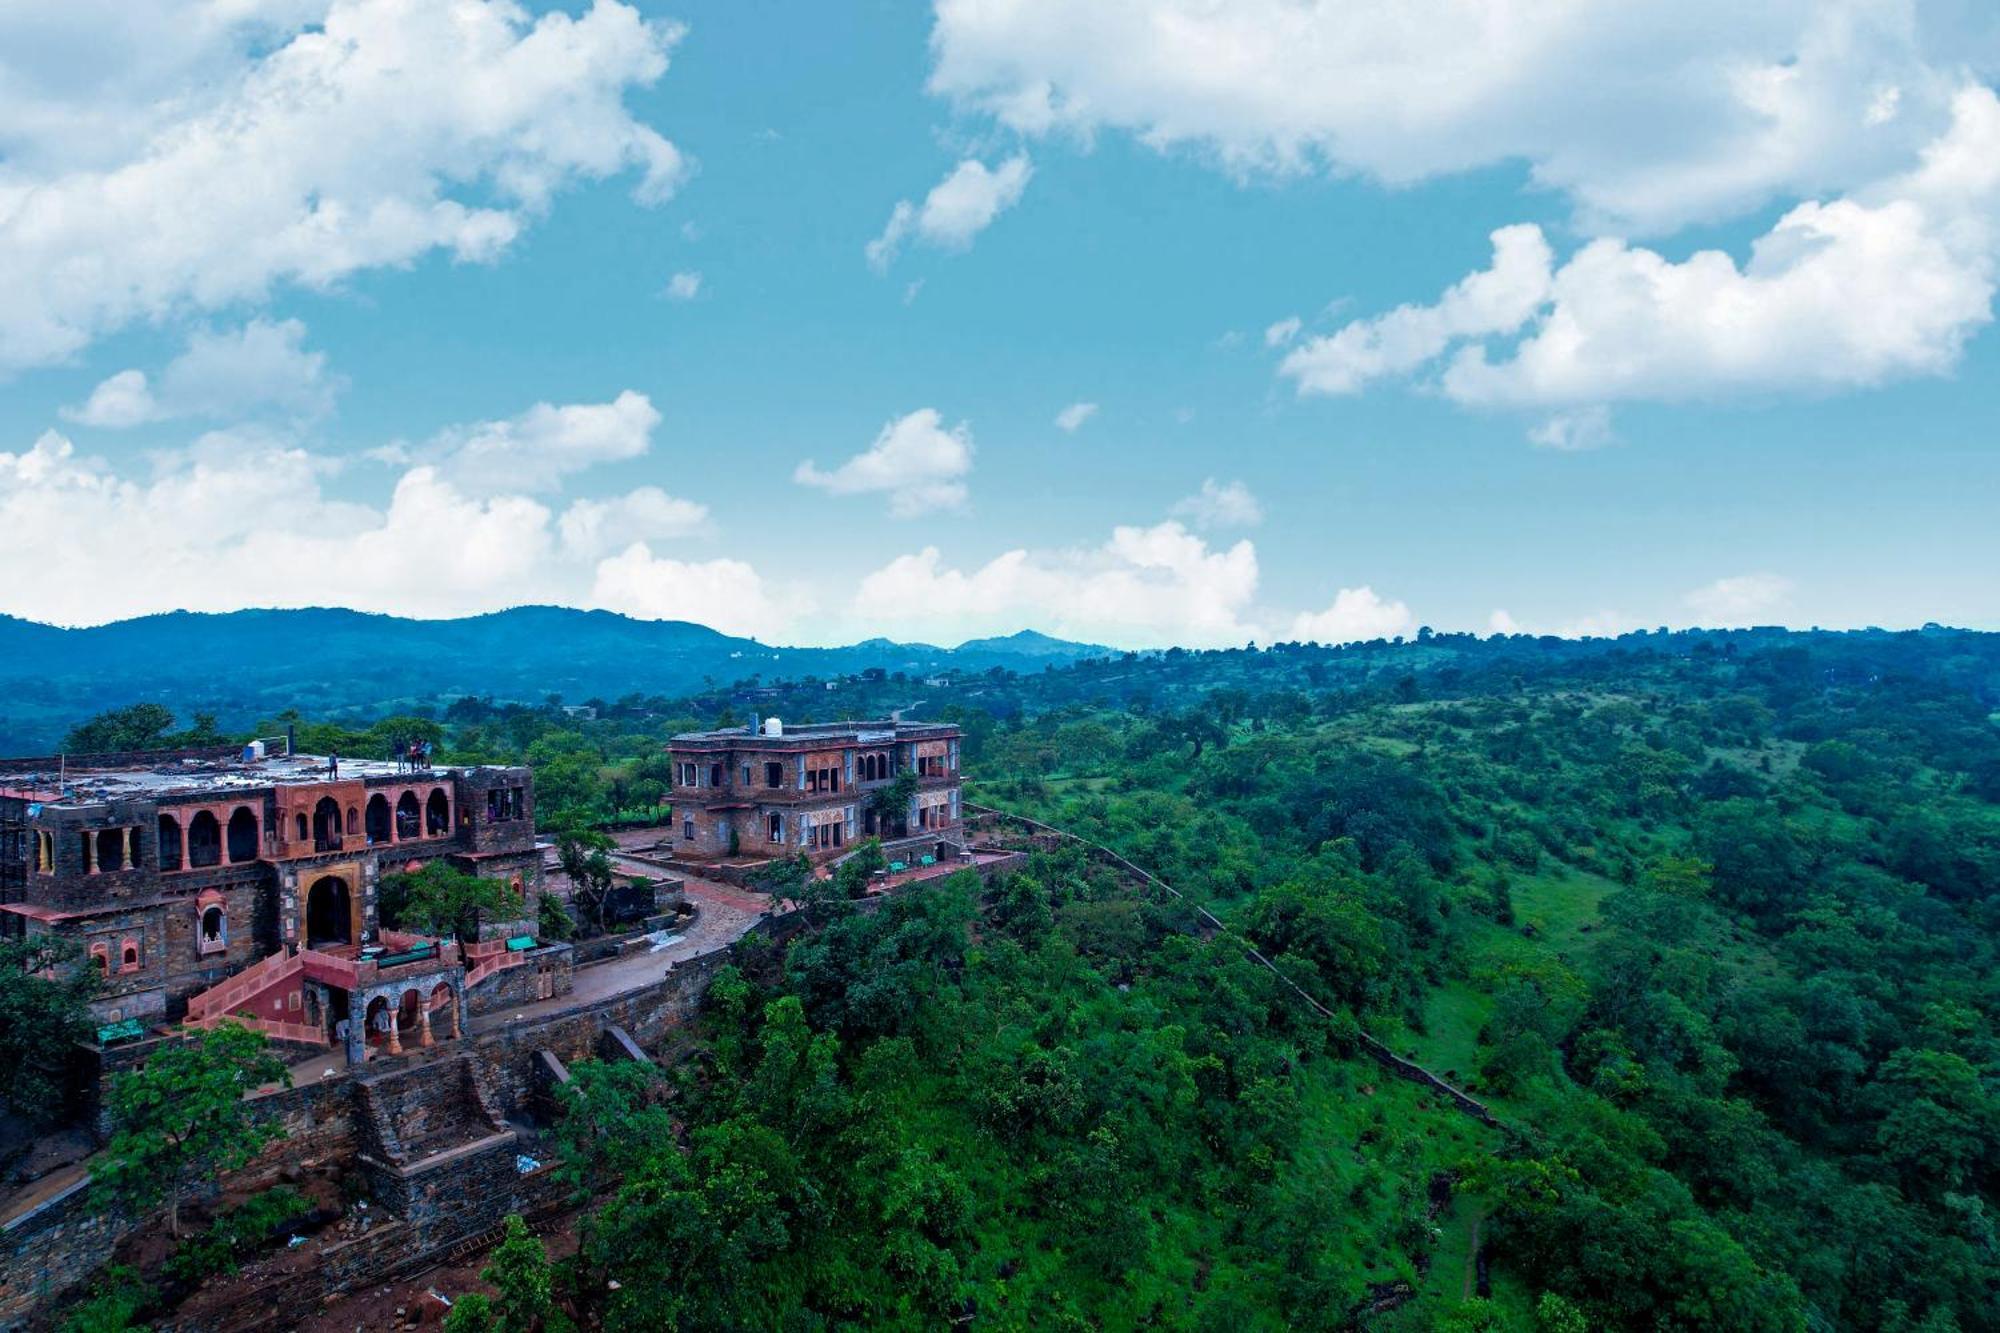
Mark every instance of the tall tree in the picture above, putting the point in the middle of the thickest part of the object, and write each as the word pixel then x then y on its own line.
pixel 442 899
pixel 182 1121
pixel 43 994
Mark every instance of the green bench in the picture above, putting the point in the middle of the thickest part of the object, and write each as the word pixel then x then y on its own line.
pixel 898 867
pixel 927 860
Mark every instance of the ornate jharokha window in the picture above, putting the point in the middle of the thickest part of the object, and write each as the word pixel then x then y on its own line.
pixel 211 934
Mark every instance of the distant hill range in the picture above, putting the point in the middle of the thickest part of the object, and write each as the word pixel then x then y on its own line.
pixel 249 664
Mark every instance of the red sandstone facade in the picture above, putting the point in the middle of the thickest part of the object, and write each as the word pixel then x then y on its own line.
pixel 755 793
pixel 204 884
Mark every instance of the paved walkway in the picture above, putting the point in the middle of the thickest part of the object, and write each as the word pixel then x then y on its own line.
pixel 726 915
pixel 916 874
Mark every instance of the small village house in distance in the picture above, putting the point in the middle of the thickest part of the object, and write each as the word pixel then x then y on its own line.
pixel 763 791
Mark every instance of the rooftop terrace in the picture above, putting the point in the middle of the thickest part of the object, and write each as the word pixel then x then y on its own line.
pixel 862 732
pixel 91 779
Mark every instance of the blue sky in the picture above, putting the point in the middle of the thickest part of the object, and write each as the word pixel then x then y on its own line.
pixel 423 351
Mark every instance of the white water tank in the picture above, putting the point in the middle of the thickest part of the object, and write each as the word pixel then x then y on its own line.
pixel 774 726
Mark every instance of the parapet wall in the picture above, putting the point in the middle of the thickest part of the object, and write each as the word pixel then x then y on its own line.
pixel 53 1248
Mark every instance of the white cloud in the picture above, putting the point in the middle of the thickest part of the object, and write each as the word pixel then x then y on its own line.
pixel 727 595
pixel 1356 616
pixel 1227 504
pixel 261 366
pixel 535 450
pixel 593 527
pixel 1071 418
pixel 157 159
pixel 1744 599
pixel 120 400
pixel 1648 114
pixel 1880 285
pixel 915 461
pixel 1575 431
pixel 956 210
pixel 243 521
pixel 683 286
pixel 1592 625
pixel 1145 587
pixel 245 518
pixel 1283 331
pixel 1498 299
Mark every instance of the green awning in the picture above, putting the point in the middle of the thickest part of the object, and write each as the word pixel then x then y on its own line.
pixel 126 1029
pixel 521 944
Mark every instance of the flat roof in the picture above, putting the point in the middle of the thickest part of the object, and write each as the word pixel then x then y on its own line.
pixel 862 731
pixel 137 778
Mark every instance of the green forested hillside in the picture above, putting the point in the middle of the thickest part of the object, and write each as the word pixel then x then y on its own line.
pixel 1713 931
pixel 1708 921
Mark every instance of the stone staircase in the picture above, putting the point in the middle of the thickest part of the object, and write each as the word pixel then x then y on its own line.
pixel 258 997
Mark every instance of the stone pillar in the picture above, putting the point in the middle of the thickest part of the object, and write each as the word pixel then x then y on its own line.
pixel 395 1014
pixel 457 1009
pixel 424 1022
pixel 357 1030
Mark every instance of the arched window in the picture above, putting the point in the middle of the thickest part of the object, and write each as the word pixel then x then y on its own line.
pixel 128 954
pixel 409 816
pixel 353 820
pixel 111 849
pixel 302 830
pixel 204 843
pixel 242 835
pixel 378 818
pixel 100 954
pixel 211 928
pixel 326 825
pixel 437 813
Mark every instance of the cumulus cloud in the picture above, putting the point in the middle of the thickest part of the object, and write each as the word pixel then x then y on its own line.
pixel 1740 600
pixel 1356 616
pixel 593 527
pixel 535 450
pixel 684 286
pixel 207 155
pixel 1573 432
pixel 1592 625
pixel 727 595
pixel 1071 418
pixel 916 461
pixel 1283 331
pixel 1228 504
pixel 1648 114
pixel 244 521
pixel 956 210
pixel 1145 587
pixel 1498 299
pixel 121 400
pixel 1883 284
pixel 246 518
pixel 262 366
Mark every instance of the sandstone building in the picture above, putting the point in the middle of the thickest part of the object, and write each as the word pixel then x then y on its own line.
pixel 758 792
pixel 216 883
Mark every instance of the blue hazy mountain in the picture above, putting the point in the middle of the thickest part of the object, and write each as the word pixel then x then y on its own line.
pixel 244 664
